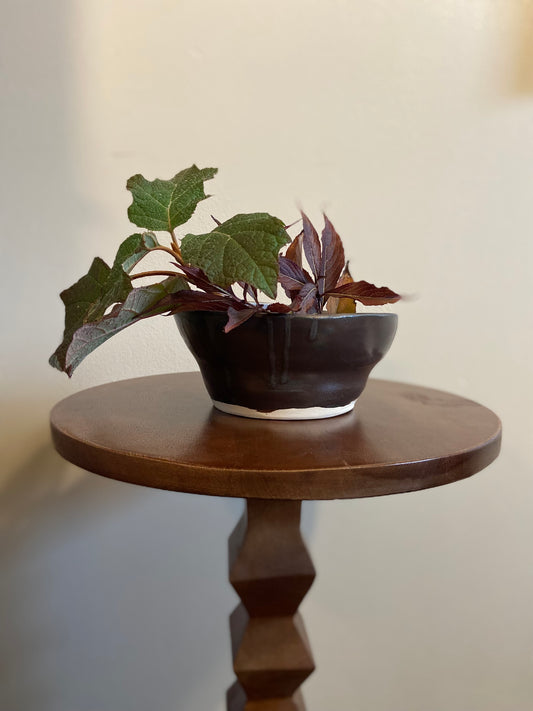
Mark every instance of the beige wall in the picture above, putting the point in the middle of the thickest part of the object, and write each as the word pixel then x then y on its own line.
pixel 412 123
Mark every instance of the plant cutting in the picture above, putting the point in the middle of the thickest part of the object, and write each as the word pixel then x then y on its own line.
pixel 305 356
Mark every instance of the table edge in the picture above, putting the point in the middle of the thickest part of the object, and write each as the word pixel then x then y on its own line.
pixel 371 481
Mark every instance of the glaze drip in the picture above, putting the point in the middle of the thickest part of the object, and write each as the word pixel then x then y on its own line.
pixel 286 352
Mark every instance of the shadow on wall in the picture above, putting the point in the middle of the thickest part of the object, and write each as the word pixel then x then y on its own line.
pixel 114 597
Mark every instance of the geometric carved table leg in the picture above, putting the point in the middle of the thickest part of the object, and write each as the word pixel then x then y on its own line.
pixel 271 571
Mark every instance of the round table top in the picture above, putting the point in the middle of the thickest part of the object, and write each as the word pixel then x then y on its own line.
pixel 161 431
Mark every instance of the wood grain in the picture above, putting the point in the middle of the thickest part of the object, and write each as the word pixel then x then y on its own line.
pixel 271 570
pixel 161 431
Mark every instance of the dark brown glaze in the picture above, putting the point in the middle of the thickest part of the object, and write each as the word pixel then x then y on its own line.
pixel 161 431
pixel 280 361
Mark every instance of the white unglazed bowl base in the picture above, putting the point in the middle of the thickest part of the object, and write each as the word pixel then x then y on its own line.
pixel 292 413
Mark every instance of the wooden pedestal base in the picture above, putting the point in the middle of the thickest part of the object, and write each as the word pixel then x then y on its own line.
pixel 271 571
pixel 236 698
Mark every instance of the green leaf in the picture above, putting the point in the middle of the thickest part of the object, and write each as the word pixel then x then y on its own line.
pixel 88 299
pixel 244 248
pixel 165 204
pixel 140 303
pixel 133 249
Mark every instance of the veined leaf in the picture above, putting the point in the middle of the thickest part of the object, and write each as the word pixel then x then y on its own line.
pixel 140 303
pixel 165 204
pixel 200 301
pixel 292 277
pixel 238 316
pixel 311 246
pixel 294 250
pixel 197 277
pixel 332 262
pixel 366 293
pixel 306 299
pixel 244 248
pixel 88 299
pixel 133 249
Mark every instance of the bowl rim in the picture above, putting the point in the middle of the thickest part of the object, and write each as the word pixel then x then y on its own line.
pixel 294 314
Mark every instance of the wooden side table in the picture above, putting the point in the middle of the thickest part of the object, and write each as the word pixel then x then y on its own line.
pixel 162 432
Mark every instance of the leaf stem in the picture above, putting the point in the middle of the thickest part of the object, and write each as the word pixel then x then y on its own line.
pixel 291 225
pixel 175 246
pixel 162 248
pixel 320 283
pixel 154 273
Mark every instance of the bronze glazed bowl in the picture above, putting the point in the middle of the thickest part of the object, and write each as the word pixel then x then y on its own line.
pixel 287 366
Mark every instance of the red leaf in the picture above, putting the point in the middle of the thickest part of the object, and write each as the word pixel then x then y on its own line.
pixel 200 301
pixel 238 316
pixel 294 250
pixel 292 277
pixel 366 293
pixel 248 290
pixel 198 278
pixel 332 258
pixel 311 245
pixel 279 308
pixel 306 299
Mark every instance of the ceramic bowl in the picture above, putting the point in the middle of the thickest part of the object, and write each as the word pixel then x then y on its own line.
pixel 287 366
